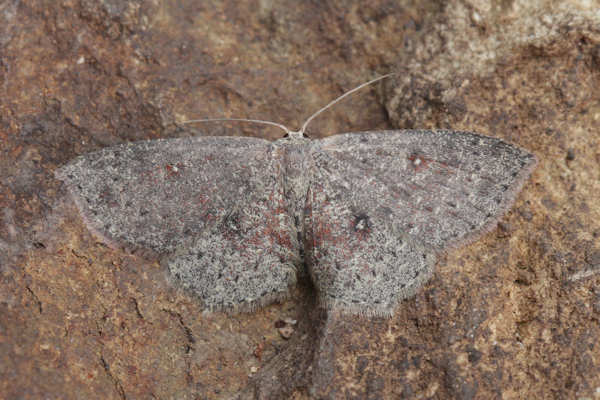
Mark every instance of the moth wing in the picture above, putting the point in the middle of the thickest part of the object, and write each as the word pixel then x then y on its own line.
pixel 443 186
pixel 212 205
pixel 382 204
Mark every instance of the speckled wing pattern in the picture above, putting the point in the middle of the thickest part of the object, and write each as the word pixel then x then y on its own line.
pixel 212 205
pixel 370 210
pixel 382 205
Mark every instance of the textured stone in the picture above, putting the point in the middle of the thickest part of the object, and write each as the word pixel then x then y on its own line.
pixel 79 319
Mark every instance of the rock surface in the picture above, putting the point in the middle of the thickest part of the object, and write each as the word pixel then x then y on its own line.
pixel 514 314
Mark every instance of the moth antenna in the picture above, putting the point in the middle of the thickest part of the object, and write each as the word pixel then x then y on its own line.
pixel 348 93
pixel 255 121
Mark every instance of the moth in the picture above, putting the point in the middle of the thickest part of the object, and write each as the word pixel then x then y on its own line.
pixel 236 219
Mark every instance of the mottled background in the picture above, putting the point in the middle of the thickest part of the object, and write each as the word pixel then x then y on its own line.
pixel 513 315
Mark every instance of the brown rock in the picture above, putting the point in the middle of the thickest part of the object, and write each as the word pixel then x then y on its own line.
pixel 512 315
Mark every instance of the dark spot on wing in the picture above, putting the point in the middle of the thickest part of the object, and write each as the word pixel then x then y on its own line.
pixel 361 223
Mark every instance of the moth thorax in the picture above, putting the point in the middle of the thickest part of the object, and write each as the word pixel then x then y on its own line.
pixel 296 177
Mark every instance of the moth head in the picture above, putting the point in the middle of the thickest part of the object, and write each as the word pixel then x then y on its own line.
pixel 296 136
